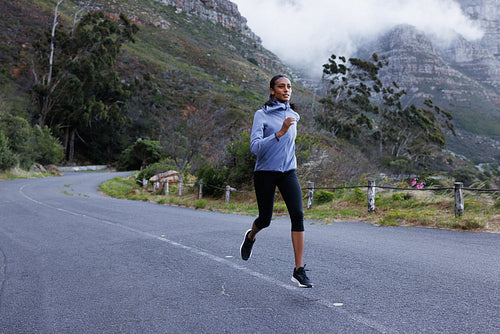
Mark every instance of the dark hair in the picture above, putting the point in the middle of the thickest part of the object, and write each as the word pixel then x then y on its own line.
pixel 272 83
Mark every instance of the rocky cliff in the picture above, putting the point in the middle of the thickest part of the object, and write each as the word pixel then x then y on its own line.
pixel 222 12
pixel 462 76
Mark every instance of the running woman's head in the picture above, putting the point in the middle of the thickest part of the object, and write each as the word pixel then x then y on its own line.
pixel 281 88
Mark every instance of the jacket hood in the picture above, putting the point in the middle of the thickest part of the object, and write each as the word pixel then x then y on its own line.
pixel 276 106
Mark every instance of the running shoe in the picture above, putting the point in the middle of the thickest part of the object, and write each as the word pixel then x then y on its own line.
pixel 246 247
pixel 300 277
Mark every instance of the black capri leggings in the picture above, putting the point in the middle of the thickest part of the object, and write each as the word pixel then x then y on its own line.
pixel 265 183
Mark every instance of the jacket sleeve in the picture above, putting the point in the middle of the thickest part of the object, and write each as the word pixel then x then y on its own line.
pixel 258 143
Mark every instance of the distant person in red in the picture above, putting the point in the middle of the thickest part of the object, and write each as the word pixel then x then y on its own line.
pixel 273 141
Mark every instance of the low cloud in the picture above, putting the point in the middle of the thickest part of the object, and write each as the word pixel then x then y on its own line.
pixel 305 33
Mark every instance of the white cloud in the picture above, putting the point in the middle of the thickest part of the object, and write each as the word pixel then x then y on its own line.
pixel 305 33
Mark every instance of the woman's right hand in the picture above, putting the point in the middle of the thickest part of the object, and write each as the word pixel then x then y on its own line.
pixel 287 123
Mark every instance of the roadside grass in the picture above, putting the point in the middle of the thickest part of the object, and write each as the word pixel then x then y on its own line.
pixel 18 173
pixel 393 208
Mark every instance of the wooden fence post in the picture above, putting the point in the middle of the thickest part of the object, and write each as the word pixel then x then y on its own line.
pixel 200 192
pixel 371 196
pixel 459 199
pixel 167 191
pixel 228 193
pixel 310 194
pixel 180 187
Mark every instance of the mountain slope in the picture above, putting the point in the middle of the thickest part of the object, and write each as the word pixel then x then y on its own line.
pixel 461 76
pixel 195 74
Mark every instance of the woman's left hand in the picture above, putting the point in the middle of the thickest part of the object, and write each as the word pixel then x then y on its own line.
pixel 287 123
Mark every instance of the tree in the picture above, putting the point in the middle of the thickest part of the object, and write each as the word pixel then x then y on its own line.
pixel 347 103
pixel 187 136
pixel 360 105
pixel 79 87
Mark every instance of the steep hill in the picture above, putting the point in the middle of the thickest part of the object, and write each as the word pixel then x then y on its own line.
pixel 461 76
pixel 200 69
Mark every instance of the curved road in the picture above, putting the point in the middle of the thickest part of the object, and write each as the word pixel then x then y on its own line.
pixel 73 261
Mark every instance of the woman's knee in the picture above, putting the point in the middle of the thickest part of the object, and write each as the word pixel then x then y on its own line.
pixel 297 221
pixel 262 222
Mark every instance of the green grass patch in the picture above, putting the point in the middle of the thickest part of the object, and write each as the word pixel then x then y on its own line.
pixel 122 188
pixel 423 209
pixel 200 204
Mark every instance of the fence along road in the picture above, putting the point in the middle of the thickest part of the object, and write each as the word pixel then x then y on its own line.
pixel 74 261
pixel 458 192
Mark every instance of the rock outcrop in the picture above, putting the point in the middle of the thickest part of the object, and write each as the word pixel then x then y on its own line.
pixel 462 76
pixel 223 12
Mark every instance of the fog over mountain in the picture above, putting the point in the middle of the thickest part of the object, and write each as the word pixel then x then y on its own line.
pixel 305 33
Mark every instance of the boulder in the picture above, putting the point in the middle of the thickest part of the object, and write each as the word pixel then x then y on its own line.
pixel 170 176
pixel 52 169
pixel 39 168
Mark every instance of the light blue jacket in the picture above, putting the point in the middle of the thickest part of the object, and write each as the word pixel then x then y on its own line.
pixel 274 154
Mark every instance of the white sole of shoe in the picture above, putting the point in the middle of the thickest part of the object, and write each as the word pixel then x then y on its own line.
pixel 241 247
pixel 300 284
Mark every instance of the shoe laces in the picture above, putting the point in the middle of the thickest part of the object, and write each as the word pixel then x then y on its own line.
pixel 302 270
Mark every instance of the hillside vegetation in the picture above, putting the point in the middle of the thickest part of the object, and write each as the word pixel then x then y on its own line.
pixel 191 88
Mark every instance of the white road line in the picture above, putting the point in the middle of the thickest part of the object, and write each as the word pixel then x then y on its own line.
pixel 321 301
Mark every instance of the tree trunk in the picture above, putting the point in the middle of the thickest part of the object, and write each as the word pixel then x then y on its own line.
pixel 65 143
pixel 71 150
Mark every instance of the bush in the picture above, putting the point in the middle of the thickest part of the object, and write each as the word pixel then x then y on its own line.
pixel 401 196
pixel 466 175
pixel 359 196
pixel 214 180
pixel 19 132
pixel 241 161
pixel 8 159
pixel 31 144
pixel 322 196
pixel 141 154
pixel 200 204
pixel 399 165
pixel 46 148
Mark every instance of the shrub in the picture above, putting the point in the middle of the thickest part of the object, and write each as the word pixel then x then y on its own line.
pixel 7 158
pixel 18 131
pixel 466 175
pixel 139 155
pixel 31 144
pixel 401 196
pixel 322 196
pixel 399 165
pixel 200 204
pixel 253 61
pixel 214 180
pixel 465 223
pixel 46 148
pixel 359 196
pixel 241 161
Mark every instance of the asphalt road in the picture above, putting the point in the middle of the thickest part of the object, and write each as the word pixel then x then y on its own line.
pixel 73 261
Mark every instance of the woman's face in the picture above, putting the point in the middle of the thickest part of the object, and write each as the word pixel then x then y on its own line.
pixel 282 90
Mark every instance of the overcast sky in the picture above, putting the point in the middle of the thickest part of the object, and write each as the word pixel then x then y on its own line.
pixel 306 32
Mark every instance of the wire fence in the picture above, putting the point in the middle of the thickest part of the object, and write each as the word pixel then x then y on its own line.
pixel 458 190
